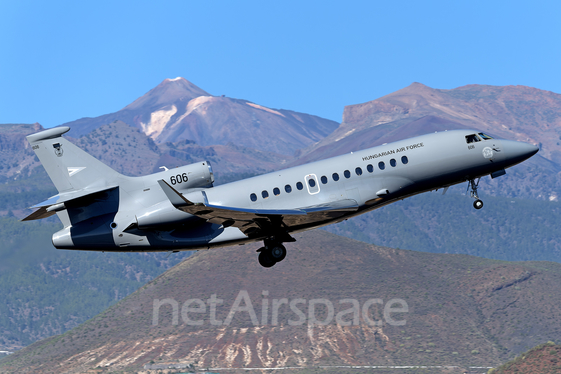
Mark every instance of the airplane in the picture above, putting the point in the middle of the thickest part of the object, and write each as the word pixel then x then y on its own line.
pixel 180 209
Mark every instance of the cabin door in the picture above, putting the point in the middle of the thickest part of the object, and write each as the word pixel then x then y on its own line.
pixel 312 184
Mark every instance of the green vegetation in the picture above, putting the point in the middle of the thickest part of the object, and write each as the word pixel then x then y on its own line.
pixel 463 310
pixel 19 200
pixel 545 358
pixel 505 229
pixel 23 191
pixel 46 291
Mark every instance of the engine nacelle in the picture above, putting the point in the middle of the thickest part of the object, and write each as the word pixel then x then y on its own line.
pixel 92 217
pixel 198 175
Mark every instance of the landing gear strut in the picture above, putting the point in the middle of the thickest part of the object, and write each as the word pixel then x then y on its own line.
pixel 271 253
pixel 477 204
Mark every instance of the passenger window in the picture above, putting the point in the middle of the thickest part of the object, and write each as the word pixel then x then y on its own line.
pixel 253 197
pixel 393 162
pixel 347 174
pixel 324 179
pixel 312 182
pixel 265 194
pixel 287 188
pixel 381 165
pixel 472 138
pixel 335 177
pixel 485 136
pixel 358 171
pixel 299 185
pixel 276 191
pixel 370 168
pixel 404 160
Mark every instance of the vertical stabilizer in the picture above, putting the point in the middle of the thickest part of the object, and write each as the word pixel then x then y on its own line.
pixel 69 167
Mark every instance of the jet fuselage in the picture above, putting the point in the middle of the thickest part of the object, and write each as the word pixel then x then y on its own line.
pixel 180 209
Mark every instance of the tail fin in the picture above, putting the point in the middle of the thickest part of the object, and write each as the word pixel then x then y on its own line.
pixel 69 167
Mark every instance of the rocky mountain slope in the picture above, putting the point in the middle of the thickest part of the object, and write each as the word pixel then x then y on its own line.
pixel 129 151
pixel 447 310
pixel 519 112
pixel 16 156
pixel 510 112
pixel 177 110
pixel 506 229
pixel 415 225
pixel 543 359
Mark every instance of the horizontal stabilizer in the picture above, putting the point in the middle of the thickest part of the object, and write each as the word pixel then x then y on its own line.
pixel 45 210
pixel 39 214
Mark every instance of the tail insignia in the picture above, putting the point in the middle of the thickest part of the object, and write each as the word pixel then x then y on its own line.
pixel 72 171
pixel 58 149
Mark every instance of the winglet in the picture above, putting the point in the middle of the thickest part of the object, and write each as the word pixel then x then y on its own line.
pixel 176 199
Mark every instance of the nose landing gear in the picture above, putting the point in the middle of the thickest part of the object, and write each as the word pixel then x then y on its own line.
pixel 271 253
pixel 477 204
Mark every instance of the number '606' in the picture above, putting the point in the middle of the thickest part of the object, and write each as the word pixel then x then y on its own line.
pixel 179 178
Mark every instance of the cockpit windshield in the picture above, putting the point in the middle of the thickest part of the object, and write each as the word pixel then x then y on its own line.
pixel 485 136
pixel 472 138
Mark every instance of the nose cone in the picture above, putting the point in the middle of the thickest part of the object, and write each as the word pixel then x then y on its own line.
pixel 516 152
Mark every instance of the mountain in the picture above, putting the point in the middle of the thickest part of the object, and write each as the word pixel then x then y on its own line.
pixel 513 112
pixel 16 156
pixel 170 92
pixel 445 310
pixel 46 291
pixel 543 359
pixel 505 229
pixel 513 229
pixel 129 151
pixel 42 287
pixel 177 110
pixel 510 112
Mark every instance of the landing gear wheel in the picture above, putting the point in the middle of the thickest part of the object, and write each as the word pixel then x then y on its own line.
pixel 271 253
pixel 278 252
pixel 265 259
pixel 477 204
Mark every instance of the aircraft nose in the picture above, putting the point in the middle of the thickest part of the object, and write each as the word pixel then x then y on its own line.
pixel 516 152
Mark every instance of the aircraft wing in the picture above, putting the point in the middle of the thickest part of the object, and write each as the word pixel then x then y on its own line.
pixel 257 222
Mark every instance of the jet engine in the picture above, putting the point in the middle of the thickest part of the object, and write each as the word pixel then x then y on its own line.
pixel 198 175
pixel 92 217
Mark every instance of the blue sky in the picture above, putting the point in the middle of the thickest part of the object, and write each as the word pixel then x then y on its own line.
pixel 61 61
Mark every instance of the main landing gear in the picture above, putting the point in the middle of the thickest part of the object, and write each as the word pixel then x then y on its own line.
pixel 271 253
pixel 477 204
